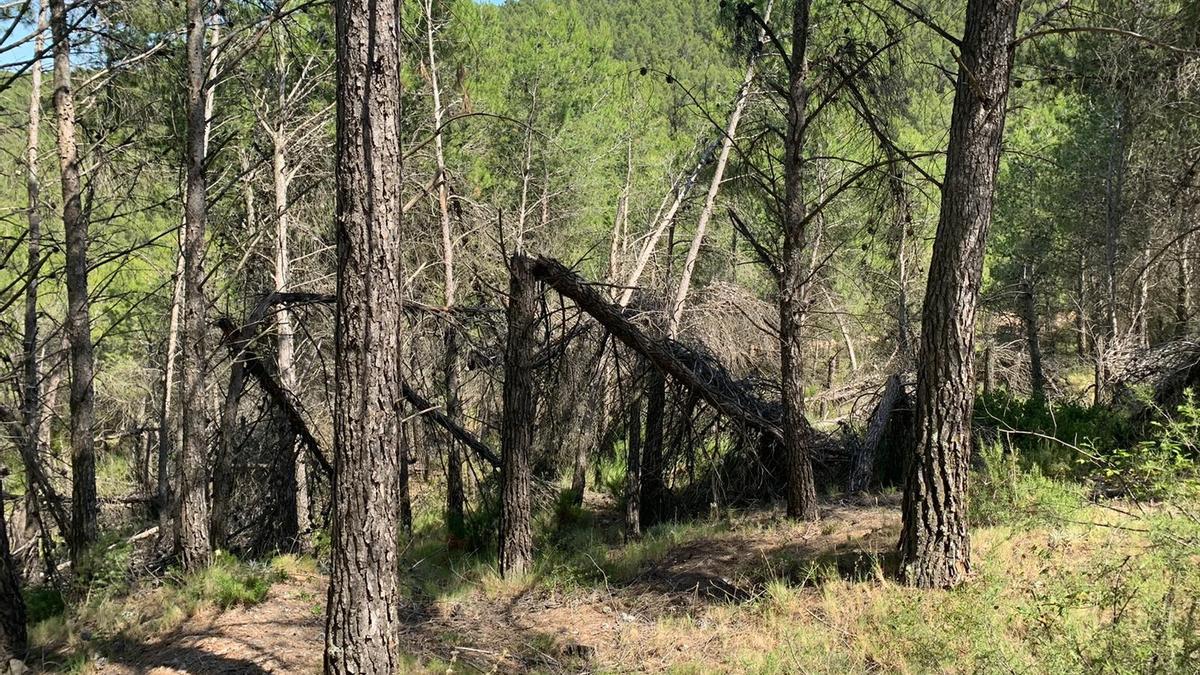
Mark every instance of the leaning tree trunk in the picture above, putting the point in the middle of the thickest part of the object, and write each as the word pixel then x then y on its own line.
pixel 12 606
pixel 84 507
pixel 801 491
pixel 935 548
pixel 516 431
pixel 192 533
pixel 362 618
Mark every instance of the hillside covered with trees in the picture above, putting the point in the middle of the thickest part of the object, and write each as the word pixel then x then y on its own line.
pixel 600 336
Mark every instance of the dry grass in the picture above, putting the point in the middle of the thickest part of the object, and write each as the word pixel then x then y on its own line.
pixel 1100 590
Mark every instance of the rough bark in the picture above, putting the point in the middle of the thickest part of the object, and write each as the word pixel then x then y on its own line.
pixel 84 508
pixel 516 432
pixel 801 492
pixel 12 607
pixel 1037 378
pixel 191 525
pixel 935 544
pixel 362 618
pixel 223 472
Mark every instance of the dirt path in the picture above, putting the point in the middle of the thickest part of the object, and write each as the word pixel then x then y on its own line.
pixel 283 634
pixel 674 610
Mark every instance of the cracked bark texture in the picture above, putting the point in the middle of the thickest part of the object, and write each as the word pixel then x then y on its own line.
pixel 192 523
pixel 84 507
pixel 935 548
pixel 362 618
pixel 516 432
pixel 801 490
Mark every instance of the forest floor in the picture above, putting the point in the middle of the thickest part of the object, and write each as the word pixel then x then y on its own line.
pixel 751 592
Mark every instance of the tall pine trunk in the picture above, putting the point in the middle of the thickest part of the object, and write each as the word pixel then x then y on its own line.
pixel 192 523
pixel 84 507
pixel 362 618
pixel 801 490
pixel 935 545
pixel 31 382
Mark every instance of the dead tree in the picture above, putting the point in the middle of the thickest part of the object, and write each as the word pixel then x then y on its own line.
pixel 362 617
pixel 516 432
pixel 863 465
pixel 935 545
pixel 712 384
pixel 84 508
pixel 31 383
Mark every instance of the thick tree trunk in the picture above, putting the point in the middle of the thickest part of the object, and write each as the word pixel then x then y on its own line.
pixel 192 534
pixel 935 548
pixel 362 618
pixel 31 382
pixel 516 432
pixel 1037 378
pixel 84 507
pixel 12 606
pixel 223 470
pixel 633 470
pixel 801 493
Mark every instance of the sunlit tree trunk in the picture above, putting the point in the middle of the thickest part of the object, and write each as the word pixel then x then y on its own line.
pixel 31 382
pixel 84 507
pixel 192 523
pixel 935 545
pixel 516 432
pixel 363 613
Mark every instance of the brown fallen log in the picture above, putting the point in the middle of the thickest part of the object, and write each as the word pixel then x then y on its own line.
pixel 863 462
pixel 239 340
pixel 701 375
pixel 287 402
pixel 430 412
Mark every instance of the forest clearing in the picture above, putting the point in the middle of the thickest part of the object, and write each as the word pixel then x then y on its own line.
pixel 599 336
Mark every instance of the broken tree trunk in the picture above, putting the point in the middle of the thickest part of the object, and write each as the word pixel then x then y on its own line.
pixel 516 433
pixel 863 466
pixel 701 376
